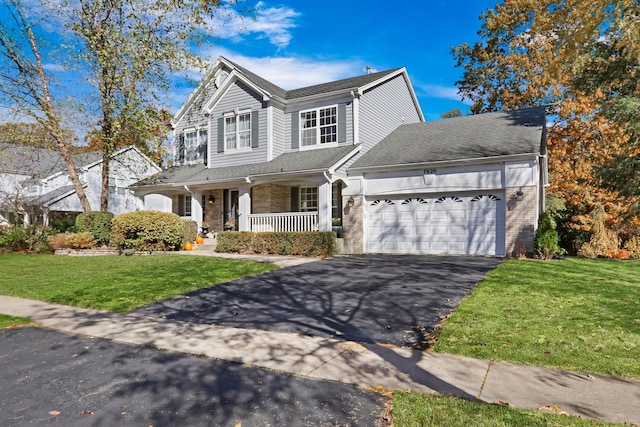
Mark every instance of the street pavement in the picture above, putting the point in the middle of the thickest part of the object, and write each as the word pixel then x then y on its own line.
pixel 49 377
pixel 327 360
pixel 369 366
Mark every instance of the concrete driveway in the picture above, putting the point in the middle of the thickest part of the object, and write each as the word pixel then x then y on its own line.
pixel 376 299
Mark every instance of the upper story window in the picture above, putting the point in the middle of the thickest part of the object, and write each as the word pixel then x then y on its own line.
pixel 190 139
pixel 237 131
pixel 319 126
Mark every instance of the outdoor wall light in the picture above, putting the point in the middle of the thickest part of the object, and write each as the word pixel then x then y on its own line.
pixel 212 199
pixel 519 195
pixel 350 202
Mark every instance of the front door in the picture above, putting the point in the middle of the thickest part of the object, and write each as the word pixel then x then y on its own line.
pixel 231 210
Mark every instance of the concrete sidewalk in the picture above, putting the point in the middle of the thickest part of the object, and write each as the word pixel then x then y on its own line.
pixel 589 396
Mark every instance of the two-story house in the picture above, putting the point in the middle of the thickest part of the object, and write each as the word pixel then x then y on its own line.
pixel 251 156
pixel 35 186
pixel 254 156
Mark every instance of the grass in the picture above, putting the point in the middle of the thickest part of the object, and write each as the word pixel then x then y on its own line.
pixel 417 410
pixel 576 314
pixel 115 283
pixel 7 321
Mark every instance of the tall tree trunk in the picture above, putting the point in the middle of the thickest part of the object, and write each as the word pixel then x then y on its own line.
pixel 52 123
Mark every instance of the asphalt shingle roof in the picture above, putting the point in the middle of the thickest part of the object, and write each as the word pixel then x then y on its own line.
pixel 349 83
pixel 296 162
pixel 460 138
pixel 39 162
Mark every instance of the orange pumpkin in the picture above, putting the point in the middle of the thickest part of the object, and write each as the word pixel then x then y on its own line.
pixel 188 246
pixel 199 240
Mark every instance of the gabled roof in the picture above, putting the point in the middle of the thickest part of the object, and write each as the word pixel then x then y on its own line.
pixel 479 136
pixel 41 163
pixel 338 85
pixel 301 162
pixel 270 90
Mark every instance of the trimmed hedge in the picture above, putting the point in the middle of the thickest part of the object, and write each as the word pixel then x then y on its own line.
pixel 190 231
pixel 312 244
pixel 96 223
pixel 147 230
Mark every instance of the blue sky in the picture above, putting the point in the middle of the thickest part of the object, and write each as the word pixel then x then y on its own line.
pixel 300 43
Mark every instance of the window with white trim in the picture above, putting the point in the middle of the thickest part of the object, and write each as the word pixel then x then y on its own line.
pixel 308 199
pixel 184 205
pixel 237 131
pixel 319 126
pixel 190 139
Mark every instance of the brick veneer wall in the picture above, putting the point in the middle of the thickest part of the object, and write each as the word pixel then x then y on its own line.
pixel 271 198
pixel 213 213
pixel 353 222
pixel 521 221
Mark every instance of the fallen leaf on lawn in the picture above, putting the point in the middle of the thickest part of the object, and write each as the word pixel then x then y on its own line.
pixel 500 403
pixel 83 413
pixel 554 408
pixel 54 413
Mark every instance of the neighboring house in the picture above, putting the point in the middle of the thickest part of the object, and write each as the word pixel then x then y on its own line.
pixel 251 156
pixel 35 182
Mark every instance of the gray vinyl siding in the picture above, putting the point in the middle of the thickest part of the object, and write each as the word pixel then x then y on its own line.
pixel 241 97
pixel 280 140
pixel 382 110
pixel 193 118
pixel 348 123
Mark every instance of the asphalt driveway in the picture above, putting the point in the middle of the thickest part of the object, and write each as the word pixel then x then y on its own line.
pixel 51 378
pixel 376 299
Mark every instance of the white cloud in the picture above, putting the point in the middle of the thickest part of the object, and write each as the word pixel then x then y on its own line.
pixel 445 92
pixel 290 72
pixel 273 23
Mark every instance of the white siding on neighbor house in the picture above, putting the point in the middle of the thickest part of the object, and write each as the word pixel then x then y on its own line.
pixel 348 122
pixel 238 96
pixel 384 108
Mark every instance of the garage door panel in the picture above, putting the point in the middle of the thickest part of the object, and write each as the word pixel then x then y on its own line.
pixel 455 224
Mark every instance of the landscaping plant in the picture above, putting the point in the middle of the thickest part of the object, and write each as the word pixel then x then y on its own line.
pixel 147 230
pixel 96 223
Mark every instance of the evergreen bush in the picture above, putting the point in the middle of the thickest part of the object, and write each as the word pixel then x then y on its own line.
pixel 546 238
pixel 96 223
pixel 147 230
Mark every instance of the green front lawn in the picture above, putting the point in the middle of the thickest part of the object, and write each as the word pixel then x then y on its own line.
pixel 115 283
pixel 6 321
pixel 423 410
pixel 576 314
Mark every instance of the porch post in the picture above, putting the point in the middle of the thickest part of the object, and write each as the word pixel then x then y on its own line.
pixel 324 206
pixel 196 208
pixel 244 208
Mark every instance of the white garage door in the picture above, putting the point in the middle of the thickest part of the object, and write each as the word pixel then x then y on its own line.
pixel 447 224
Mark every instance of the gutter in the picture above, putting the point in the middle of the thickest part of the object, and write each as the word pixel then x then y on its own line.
pixel 443 163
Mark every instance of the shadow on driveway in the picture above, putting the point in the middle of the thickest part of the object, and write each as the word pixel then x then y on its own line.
pixel 48 377
pixel 374 299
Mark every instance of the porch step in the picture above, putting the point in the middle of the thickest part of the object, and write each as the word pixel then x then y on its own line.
pixel 209 245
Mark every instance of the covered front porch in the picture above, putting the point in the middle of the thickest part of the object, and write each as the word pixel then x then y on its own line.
pixel 298 206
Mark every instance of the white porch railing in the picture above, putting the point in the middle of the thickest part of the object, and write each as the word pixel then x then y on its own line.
pixel 288 221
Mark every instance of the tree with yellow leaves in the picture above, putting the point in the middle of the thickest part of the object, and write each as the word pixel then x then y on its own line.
pixel 582 59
